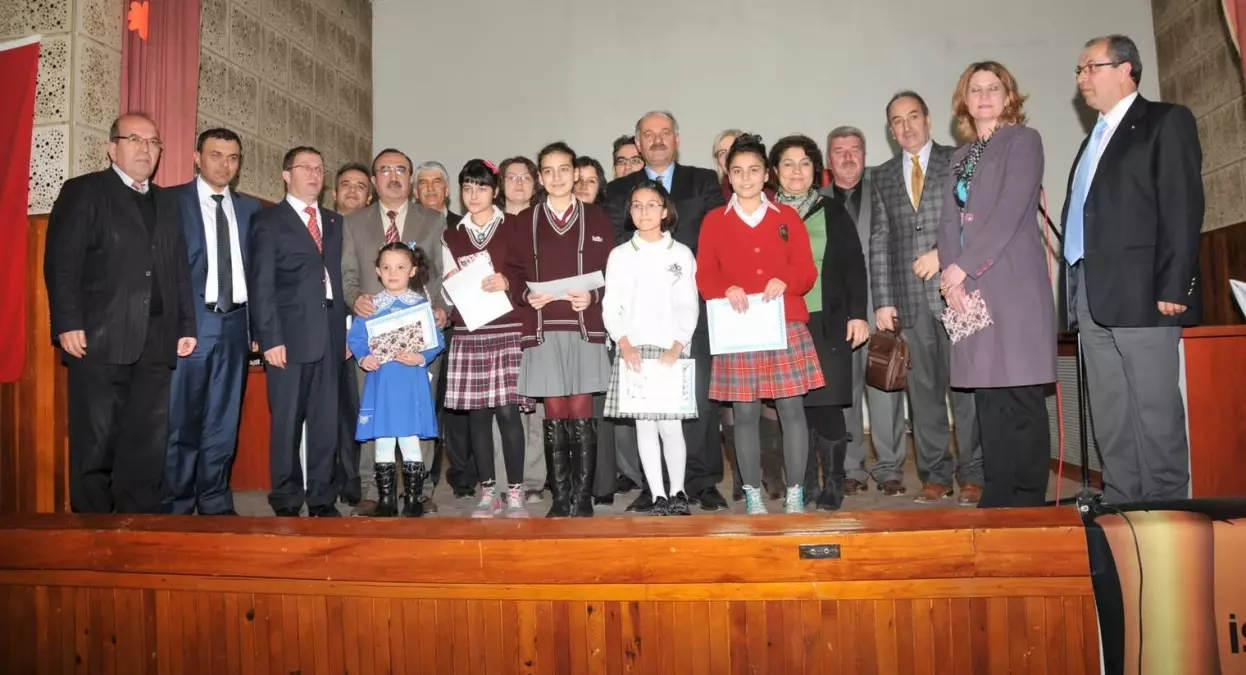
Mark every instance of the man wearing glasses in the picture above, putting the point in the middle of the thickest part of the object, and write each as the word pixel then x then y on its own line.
pixel 298 317
pixel 391 218
pixel 119 298
pixel 627 159
pixel 1132 219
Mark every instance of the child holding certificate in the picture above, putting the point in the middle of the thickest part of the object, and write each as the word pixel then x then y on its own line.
pixel 397 404
pixel 650 311
pixel 564 359
pixel 754 246
pixel 483 372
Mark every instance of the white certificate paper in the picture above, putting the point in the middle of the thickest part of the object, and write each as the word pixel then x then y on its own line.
pixel 476 305
pixel 421 316
pixel 559 287
pixel 658 388
pixel 760 328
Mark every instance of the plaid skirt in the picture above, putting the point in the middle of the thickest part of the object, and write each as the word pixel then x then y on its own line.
pixel 612 394
pixel 483 371
pixel 752 376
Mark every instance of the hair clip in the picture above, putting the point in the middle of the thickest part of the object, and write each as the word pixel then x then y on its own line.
pixel 492 168
pixel 415 247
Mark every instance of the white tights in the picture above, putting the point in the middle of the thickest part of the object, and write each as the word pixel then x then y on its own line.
pixel 651 453
pixel 410 446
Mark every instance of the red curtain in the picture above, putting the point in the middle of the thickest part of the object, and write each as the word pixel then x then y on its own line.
pixel 19 68
pixel 1235 17
pixel 160 76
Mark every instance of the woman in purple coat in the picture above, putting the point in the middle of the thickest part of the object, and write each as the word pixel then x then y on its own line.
pixel 989 242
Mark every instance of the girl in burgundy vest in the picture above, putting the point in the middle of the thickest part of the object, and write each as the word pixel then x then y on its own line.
pixel 565 359
pixel 483 375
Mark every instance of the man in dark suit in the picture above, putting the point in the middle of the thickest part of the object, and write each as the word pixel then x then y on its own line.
pixel 695 191
pixel 120 305
pixel 1131 222
pixel 206 397
pixel 903 266
pixel 298 315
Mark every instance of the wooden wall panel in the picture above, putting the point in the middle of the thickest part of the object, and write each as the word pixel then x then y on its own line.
pixel 1222 256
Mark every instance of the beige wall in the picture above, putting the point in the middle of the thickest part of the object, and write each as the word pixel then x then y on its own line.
pixel 79 86
pixel 284 73
pixel 1199 67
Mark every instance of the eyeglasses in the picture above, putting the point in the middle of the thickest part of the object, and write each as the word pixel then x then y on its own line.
pixel 136 140
pixel 638 207
pixel 719 154
pixel 629 161
pixel 518 178
pixel 396 170
pixel 1091 68
pixel 313 170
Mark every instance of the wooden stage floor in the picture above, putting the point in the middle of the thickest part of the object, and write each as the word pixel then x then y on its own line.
pixel 932 591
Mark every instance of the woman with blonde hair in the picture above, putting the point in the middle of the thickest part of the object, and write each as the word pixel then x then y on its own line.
pixel 996 282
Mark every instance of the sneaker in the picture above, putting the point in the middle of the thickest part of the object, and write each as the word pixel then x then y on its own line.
pixel 489 504
pixel 515 502
pixel 661 507
pixel 679 505
pixel 754 501
pixel 795 502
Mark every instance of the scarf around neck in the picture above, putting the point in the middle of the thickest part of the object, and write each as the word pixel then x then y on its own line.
pixel 802 203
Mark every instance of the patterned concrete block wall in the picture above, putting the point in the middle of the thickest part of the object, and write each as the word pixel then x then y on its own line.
pixel 79 86
pixel 284 73
pixel 1199 67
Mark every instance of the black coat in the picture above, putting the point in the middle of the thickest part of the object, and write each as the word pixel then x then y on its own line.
pixel 844 289
pixel 98 268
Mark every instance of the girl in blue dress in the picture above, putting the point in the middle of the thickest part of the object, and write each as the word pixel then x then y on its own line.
pixel 397 408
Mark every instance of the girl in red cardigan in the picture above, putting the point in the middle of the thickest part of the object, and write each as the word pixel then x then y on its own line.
pixel 564 359
pixel 755 246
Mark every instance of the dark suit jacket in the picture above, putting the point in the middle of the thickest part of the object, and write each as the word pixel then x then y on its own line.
pixel 695 192
pixel 285 284
pixel 845 287
pixel 209 323
pixel 1142 219
pixel 98 266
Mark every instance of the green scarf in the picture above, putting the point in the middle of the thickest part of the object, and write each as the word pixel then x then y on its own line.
pixel 803 203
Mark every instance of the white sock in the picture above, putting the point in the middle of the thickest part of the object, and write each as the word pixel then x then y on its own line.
pixel 410 446
pixel 651 456
pixel 675 451
pixel 385 450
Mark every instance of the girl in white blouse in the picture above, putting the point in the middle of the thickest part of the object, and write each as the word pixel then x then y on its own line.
pixel 650 310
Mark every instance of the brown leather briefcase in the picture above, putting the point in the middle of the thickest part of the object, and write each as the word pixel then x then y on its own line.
pixel 887 362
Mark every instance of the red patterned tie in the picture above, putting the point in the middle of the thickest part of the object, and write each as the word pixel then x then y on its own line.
pixel 391 232
pixel 314 228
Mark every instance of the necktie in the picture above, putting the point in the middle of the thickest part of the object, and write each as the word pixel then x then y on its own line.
pixel 314 228
pixel 224 259
pixel 391 232
pixel 1074 233
pixel 917 179
pixel 138 187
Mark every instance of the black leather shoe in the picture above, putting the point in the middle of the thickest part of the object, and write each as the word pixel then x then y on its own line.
pixel 230 512
pixel 605 500
pixel 623 485
pixel 710 499
pixel 286 513
pixel 464 493
pixel 323 511
pixel 643 502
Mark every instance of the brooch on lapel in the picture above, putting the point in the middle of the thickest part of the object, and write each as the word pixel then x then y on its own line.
pixel 783 232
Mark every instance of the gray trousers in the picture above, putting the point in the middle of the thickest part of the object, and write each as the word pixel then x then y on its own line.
pixel 931 352
pixel 367 451
pixel 1137 414
pixel 534 449
pixel 886 428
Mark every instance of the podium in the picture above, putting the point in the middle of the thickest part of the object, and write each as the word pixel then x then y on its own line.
pixel 1213 375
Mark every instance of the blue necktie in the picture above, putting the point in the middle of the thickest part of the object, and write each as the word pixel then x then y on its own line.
pixel 1074 232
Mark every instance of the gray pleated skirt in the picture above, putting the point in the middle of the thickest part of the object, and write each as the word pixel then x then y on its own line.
pixel 563 365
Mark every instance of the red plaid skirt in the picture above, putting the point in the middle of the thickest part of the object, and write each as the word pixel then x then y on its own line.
pixel 751 376
pixel 483 371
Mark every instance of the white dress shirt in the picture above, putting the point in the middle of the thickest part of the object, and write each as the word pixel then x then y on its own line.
pixel 129 182
pixel 751 219
pixel 923 156
pixel 299 205
pixel 207 206
pixel 651 292
pixel 1113 118
pixel 478 232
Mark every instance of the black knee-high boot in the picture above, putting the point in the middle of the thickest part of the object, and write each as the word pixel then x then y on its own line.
pixel 387 490
pixel 832 497
pixel 583 442
pixel 558 459
pixel 413 485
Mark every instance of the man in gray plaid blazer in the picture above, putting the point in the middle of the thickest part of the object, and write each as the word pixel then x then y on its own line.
pixel 907 200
